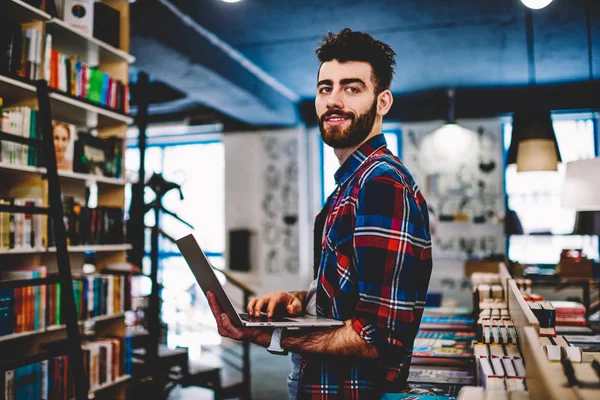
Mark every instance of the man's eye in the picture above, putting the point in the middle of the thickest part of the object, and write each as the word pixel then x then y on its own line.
pixel 352 89
pixel 324 90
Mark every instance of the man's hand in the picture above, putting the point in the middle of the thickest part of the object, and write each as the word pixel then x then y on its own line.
pixel 291 302
pixel 227 329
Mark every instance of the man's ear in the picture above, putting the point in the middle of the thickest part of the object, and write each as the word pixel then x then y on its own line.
pixel 384 102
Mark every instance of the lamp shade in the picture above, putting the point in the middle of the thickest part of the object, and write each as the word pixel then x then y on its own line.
pixel 587 223
pixel 537 155
pixel 527 126
pixel 580 188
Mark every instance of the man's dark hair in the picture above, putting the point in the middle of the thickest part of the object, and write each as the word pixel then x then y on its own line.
pixel 348 45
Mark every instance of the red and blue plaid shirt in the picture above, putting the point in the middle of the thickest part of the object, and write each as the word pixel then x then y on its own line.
pixel 373 268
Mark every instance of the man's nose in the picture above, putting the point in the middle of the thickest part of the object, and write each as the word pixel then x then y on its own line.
pixel 334 101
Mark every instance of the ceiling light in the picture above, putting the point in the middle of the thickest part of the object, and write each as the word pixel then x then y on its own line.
pixel 236 1
pixel 533 4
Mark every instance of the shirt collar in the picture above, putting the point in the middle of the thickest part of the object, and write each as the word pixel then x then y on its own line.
pixel 350 166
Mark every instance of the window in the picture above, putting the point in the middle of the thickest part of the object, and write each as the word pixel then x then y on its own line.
pixel 199 167
pixel 330 163
pixel 535 197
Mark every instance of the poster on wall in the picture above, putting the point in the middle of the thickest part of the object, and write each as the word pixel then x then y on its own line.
pixel 279 205
pixel 459 169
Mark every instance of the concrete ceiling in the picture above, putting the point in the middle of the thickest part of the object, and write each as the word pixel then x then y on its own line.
pixel 254 60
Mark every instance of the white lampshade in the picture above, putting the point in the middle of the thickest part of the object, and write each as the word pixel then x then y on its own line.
pixel 537 155
pixel 580 189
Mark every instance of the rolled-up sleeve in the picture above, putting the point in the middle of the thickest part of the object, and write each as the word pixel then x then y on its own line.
pixel 391 241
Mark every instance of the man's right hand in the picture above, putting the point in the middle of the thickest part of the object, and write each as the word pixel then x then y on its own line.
pixel 279 299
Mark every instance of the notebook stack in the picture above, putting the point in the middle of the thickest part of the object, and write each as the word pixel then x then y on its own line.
pixel 442 361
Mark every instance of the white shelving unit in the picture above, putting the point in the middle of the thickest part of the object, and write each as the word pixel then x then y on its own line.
pixel 23 12
pixel 91 50
pixel 64 108
pixel 118 381
pixel 71 249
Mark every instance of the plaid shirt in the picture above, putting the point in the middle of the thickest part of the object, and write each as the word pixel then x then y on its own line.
pixel 374 265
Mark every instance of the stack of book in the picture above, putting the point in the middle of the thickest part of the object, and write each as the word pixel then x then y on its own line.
pixel 499 367
pixel 488 292
pixel 569 314
pixel 19 121
pixel 442 359
pixel 47 379
pixel 496 326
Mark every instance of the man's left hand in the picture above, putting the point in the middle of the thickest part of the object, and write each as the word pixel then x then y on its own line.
pixel 227 329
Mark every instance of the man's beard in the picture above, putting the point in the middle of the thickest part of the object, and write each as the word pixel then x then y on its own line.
pixel 341 138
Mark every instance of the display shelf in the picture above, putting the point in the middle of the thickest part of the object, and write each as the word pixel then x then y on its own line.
pixel 19 169
pixel 70 41
pixel 65 108
pixel 15 90
pixel 70 109
pixel 20 11
pixel 102 318
pixel 33 250
pixel 6 168
pixel 96 248
pixel 91 178
pixel 55 328
pixel 71 249
pixel 119 381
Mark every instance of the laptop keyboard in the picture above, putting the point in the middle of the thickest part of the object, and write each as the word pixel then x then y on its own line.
pixel 264 318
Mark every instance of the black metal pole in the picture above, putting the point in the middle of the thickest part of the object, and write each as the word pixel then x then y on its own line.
pixel 154 307
pixel 68 310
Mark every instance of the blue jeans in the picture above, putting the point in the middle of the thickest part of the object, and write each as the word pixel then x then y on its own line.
pixel 293 377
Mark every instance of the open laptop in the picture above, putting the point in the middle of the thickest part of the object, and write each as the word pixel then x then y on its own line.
pixel 207 279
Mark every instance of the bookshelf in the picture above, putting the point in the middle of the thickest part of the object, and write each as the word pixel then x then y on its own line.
pixel 23 12
pixel 64 107
pixel 31 181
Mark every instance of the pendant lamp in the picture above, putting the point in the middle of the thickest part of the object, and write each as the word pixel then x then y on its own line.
pixel 533 146
pixel 446 148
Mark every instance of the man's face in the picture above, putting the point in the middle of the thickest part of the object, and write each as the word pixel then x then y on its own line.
pixel 346 103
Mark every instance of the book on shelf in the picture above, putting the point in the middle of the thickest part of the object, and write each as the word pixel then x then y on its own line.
pixel 34 308
pixel 441 375
pixel 81 80
pixel 102 360
pixel 10 48
pixel 28 303
pixel 46 379
pixel 19 121
pixel 90 226
pixel 28 54
pixel 20 230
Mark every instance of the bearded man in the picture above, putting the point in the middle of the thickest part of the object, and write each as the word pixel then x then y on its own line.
pixel 372 241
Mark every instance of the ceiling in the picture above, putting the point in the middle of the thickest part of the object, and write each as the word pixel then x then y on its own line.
pixel 254 60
